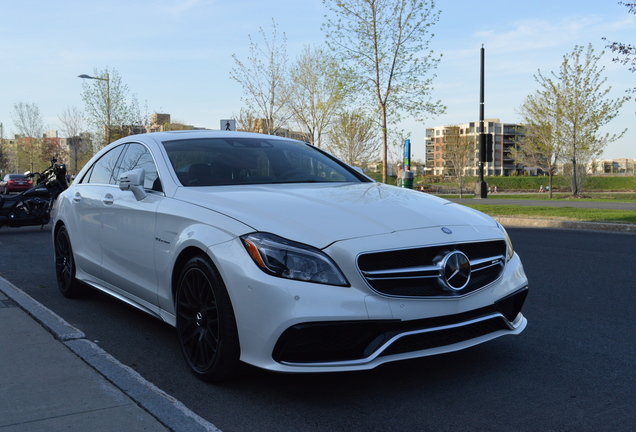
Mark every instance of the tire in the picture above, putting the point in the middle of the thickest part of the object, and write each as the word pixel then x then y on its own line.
pixel 65 265
pixel 206 325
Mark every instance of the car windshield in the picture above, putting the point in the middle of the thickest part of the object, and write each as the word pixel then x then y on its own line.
pixel 228 161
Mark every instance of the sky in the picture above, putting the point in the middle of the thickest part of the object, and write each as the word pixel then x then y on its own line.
pixel 175 56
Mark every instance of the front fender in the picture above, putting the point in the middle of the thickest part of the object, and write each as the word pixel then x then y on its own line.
pixel 176 234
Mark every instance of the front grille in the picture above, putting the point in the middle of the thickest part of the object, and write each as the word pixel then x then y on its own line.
pixel 417 272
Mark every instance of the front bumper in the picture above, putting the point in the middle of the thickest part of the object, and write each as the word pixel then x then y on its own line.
pixel 350 343
pixel 292 326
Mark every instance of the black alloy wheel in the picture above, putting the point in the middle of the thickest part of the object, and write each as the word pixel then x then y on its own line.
pixel 65 265
pixel 205 322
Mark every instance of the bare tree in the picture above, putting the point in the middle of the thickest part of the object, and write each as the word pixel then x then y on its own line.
pixel 458 149
pixel 317 92
pixel 3 152
pixel 626 52
pixel 395 153
pixel 385 45
pixel 28 123
pixel 262 77
pixel 353 138
pixel 72 120
pixel 246 121
pixel 138 117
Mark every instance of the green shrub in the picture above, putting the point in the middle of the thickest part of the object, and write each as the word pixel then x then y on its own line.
pixel 561 183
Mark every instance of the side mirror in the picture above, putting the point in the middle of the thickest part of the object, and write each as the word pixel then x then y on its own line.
pixel 134 181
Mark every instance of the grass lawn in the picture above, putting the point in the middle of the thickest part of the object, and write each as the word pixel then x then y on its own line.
pixel 561 213
pixel 600 189
pixel 589 196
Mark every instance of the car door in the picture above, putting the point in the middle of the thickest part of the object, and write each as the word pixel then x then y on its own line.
pixel 128 230
pixel 85 221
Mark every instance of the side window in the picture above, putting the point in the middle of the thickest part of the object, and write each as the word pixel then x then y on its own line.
pixel 102 171
pixel 138 156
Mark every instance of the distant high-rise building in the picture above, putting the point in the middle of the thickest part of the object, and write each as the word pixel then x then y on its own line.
pixel 505 137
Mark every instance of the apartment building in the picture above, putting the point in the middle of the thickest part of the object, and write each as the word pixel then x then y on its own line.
pixel 505 136
pixel 612 166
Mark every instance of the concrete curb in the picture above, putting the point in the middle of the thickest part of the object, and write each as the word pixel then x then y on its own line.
pixel 61 330
pixel 166 409
pixel 557 224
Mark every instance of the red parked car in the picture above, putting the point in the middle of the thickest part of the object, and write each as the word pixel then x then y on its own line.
pixel 15 183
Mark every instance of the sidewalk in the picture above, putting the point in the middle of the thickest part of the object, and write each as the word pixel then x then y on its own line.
pixel 53 379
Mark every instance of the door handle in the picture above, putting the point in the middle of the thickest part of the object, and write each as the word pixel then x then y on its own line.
pixel 108 199
pixel 77 197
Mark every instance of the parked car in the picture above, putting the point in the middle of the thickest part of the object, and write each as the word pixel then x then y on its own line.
pixel 269 251
pixel 15 183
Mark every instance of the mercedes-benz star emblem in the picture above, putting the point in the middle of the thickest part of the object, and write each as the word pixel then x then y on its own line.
pixel 455 270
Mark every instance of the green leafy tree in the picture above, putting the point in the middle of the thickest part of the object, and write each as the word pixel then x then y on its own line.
pixel 353 138
pixel 583 108
pixel 317 91
pixel 385 45
pixel 105 103
pixel 539 145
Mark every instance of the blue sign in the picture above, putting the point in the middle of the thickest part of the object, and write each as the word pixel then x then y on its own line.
pixel 407 154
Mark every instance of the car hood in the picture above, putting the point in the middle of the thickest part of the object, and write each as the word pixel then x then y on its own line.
pixel 320 214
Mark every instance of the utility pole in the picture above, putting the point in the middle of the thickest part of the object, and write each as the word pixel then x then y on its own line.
pixel 481 189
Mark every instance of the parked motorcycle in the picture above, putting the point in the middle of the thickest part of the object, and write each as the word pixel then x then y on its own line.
pixel 33 206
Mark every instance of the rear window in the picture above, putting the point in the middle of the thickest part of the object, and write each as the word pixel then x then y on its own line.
pixel 228 161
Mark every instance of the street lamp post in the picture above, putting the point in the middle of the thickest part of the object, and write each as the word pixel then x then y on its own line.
pixel 108 107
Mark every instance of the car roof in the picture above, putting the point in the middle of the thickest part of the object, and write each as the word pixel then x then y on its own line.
pixel 202 133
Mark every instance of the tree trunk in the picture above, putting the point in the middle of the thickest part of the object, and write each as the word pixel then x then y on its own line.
pixel 575 187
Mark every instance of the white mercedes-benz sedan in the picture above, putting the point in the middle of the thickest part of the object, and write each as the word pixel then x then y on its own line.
pixel 268 251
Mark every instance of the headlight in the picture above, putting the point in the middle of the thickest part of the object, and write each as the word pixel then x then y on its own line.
pixel 509 250
pixel 283 258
